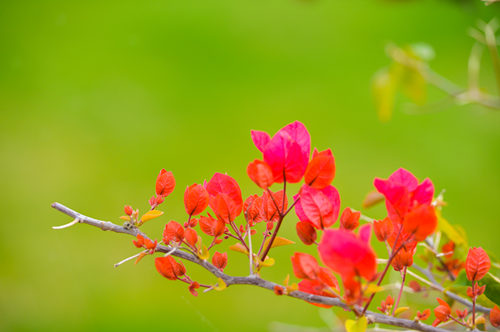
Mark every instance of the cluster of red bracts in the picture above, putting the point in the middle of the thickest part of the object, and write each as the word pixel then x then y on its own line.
pixel 345 252
pixel 477 266
pixel 411 216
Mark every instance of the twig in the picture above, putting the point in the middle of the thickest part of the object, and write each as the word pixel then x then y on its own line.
pixel 253 279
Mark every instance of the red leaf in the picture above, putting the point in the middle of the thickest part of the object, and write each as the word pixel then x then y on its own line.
pixel 211 226
pixel 477 264
pixel 306 232
pixel 191 236
pixel 219 260
pixel 173 231
pixel 319 207
pixel 347 254
pixel 349 220
pixel 305 266
pixel 421 222
pixel 260 173
pixel 223 184
pixel 193 287
pixel 383 228
pixel 165 183
pixel 169 267
pixel 195 199
pixel 321 170
pixel 495 316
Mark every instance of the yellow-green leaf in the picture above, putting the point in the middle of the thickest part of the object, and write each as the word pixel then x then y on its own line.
pixel 150 215
pixel 221 285
pixel 203 252
pixel 384 91
pixel 356 325
pixel 400 310
pixel 238 247
pixel 278 242
pixel 292 288
pixel 450 231
pixel 268 262
pixel 373 288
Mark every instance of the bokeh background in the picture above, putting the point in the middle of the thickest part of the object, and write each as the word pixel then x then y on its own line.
pixel 97 96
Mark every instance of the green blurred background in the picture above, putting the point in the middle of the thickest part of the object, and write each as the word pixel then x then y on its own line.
pixel 97 96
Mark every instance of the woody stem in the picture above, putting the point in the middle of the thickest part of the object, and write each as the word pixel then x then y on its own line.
pixel 400 291
pixel 473 304
pixel 239 236
pixel 280 221
pixel 251 280
pixel 456 320
pixel 393 254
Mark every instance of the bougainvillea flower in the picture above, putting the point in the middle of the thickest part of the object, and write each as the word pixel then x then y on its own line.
pixel 219 260
pixel 260 173
pixel 420 221
pixel 165 183
pixel 319 207
pixel 195 199
pixel 349 219
pixel 305 266
pixel 320 171
pixel 402 191
pixel 143 242
pixel 287 153
pixel 442 312
pixel 495 317
pixel 477 264
pixel 306 232
pixel 169 267
pixel 173 232
pixel 225 197
pixel 383 228
pixel 344 252
pixel 212 226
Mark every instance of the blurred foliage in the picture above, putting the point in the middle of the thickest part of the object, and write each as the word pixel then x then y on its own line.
pixel 97 96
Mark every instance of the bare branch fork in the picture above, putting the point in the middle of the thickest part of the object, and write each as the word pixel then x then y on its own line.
pixel 256 280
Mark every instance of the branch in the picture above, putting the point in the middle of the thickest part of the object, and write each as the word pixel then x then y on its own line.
pixel 249 280
pixel 433 284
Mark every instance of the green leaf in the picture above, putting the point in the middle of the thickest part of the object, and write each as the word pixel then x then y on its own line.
pixel 356 325
pixel 492 290
pixel 384 90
